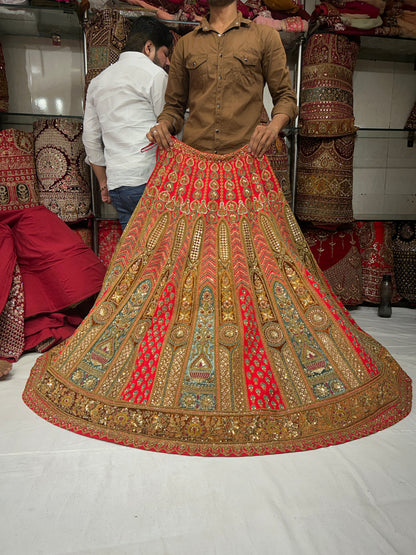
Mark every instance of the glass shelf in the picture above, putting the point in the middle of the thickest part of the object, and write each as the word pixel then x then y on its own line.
pixel 10 118
pixel 290 40
pixel 365 132
pixel 40 21
pixel 392 49
pixel 373 133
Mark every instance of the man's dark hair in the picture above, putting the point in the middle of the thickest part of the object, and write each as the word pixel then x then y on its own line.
pixel 146 28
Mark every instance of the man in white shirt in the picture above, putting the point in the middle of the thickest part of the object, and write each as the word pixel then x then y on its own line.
pixel 122 103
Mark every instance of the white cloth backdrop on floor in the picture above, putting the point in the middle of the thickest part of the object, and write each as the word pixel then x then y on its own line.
pixel 61 493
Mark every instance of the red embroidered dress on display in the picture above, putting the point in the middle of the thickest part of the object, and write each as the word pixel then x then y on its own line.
pixel 215 332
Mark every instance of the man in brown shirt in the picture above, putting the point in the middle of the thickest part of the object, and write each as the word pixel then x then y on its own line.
pixel 218 71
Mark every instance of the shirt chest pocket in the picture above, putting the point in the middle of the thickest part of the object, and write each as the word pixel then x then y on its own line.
pixel 244 67
pixel 197 67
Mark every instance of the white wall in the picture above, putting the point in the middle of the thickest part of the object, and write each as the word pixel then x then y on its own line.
pixel 42 78
pixel 384 166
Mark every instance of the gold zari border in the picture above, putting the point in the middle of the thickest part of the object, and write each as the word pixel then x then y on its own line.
pixel 367 410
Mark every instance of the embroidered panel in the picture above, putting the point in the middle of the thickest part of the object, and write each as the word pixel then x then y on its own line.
pixel 12 337
pixel 338 256
pixel 326 98
pixel 324 180
pixel 404 255
pixel 106 35
pixel 18 183
pixel 61 169
pixel 376 250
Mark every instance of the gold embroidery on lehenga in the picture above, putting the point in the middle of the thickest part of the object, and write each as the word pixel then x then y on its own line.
pixel 171 364
pixel 212 337
pixel 229 350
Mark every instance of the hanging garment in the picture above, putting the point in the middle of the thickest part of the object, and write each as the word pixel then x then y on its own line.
pixel 106 35
pixel 215 332
pixel 18 184
pixel 376 250
pixel 278 158
pixel 338 256
pixel 404 254
pixel 324 183
pixel 63 175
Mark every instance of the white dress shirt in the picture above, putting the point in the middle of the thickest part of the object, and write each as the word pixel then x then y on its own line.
pixel 122 104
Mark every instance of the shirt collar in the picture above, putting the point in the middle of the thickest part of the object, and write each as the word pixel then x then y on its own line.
pixel 240 21
pixel 132 54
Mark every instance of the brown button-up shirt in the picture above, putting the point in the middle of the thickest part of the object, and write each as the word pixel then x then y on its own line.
pixel 220 78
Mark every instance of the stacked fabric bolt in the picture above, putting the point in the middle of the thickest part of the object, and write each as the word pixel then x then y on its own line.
pixel 325 161
pixel 283 15
pixel 366 17
pixel 327 131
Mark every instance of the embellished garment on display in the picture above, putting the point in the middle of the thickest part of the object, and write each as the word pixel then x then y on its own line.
pixel 338 256
pixel 327 93
pixel 215 332
pixel 18 183
pixel 377 259
pixel 61 169
pixel 324 182
pixel 404 255
pixel 106 35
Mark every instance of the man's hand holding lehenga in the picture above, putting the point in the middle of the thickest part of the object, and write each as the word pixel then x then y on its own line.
pixel 161 135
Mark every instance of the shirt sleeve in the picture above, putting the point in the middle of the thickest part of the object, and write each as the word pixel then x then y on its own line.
pixel 158 90
pixel 91 135
pixel 277 75
pixel 176 97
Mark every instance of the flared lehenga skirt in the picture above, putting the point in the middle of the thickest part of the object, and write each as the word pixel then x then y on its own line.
pixel 215 332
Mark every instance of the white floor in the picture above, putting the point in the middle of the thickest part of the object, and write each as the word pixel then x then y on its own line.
pixel 63 493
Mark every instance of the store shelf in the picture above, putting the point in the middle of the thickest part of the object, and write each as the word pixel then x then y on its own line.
pixel 40 21
pixel 290 40
pixel 393 49
pixel 23 119
pixel 373 133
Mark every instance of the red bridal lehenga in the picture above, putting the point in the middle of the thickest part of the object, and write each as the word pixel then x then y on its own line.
pixel 215 332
